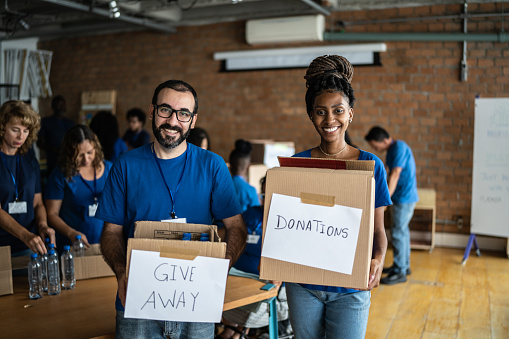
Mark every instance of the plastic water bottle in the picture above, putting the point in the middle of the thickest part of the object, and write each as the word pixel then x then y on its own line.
pixel 44 270
pixel 46 243
pixel 78 247
pixel 34 277
pixel 67 261
pixel 53 273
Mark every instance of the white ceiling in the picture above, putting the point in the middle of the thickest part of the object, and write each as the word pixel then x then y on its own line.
pixel 49 19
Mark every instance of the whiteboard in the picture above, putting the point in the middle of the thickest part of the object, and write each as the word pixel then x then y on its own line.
pixel 490 178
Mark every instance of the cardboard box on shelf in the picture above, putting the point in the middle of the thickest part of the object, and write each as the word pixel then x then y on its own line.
pixel 172 279
pixel 254 174
pixel 326 216
pixel 92 265
pixel 266 151
pixel 5 270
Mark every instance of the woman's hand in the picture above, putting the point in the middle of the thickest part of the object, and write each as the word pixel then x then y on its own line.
pixel 34 242
pixel 47 232
pixel 276 283
pixel 375 273
pixel 74 233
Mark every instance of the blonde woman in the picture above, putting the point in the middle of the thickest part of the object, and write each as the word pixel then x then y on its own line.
pixel 23 222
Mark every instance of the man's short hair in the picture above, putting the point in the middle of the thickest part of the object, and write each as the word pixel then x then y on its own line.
pixel 179 86
pixel 377 133
pixel 137 112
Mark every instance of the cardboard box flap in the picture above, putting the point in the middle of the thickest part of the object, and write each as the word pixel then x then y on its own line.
pixel 5 254
pixel 335 164
pixel 94 249
pixel 172 230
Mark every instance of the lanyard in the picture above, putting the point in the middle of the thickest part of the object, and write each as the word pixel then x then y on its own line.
pixel 173 215
pixel 14 179
pixel 94 191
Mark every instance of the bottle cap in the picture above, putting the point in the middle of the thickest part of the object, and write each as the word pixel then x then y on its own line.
pixel 50 252
pixel 67 248
pixel 78 237
pixel 205 235
pixel 47 240
pixel 51 246
pixel 33 255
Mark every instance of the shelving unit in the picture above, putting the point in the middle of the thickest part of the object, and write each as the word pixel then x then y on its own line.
pixel 94 101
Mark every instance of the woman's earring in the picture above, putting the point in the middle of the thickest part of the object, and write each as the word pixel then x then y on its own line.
pixel 350 121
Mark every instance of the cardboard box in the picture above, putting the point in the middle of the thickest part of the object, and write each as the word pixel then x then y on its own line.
pixel 345 183
pixel 92 265
pixel 174 280
pixel 5 270
pixel 266 151
pixel 165 237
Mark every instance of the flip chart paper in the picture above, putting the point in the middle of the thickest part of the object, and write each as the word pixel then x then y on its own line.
pixel 161 288
pixel 312 235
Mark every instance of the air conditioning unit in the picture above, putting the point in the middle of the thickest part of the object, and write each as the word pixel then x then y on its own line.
pixel 289 29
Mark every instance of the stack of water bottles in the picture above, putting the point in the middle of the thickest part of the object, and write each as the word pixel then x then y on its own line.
pixel 44 270
pixel 188 237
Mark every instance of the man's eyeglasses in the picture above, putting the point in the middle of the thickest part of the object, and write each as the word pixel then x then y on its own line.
pixel 165 111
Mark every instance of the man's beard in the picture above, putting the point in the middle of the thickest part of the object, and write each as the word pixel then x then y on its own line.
pixel 166 141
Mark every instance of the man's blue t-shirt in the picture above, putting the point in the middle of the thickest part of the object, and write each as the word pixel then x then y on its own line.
pixel 77 196
pixel 200 182
pixel 399 154
pixel 246 193
pixel 382 198
pixel 29 183
pixel 250 258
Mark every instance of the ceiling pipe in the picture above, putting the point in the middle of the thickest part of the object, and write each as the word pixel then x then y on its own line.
pixel 480 37
pixel 317 7
pixel 125 18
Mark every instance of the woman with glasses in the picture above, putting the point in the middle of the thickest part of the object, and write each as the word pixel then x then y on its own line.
pixel 327 311
pixel 75 186
pixel 22 216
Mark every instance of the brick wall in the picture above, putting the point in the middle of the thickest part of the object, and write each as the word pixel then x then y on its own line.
pixel 416 94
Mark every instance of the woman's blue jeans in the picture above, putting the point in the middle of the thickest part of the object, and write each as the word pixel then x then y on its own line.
pixel 330 315
pixel 141 329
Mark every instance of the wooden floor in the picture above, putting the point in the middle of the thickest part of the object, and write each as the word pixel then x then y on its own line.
pixel 444 299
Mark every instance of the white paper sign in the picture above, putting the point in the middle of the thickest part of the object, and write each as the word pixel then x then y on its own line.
pixel 170 289
pixel 312 235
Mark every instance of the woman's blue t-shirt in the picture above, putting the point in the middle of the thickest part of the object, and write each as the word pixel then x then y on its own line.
pixel 382 198
pixel 29 183
pixel 246 193
pixel 77 196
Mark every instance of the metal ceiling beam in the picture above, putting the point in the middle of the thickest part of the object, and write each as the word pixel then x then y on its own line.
pixel 125 18
pixel 316 6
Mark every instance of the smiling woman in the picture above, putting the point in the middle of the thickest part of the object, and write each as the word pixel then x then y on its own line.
pixel 22 210
pixel 327 311
pixel 75 186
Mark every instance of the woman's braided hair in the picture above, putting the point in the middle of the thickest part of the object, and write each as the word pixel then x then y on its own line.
pixel 328 73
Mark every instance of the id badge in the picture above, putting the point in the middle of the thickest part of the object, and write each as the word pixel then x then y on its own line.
pixel 92 209
pixel 17 207
pixel 253 238
pixel 179 220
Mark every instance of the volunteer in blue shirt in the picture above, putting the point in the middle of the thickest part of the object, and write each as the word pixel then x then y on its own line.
pixel 75 186
pixel 402 183
pixel 328 311
pixel 23 215
pixel 168 179
pixel 240 159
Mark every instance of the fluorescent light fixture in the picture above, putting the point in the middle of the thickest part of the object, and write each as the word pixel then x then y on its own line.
pixel 360 54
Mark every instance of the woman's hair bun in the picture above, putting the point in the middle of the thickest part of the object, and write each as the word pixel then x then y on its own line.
pixel 243 146
pixel 329 64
